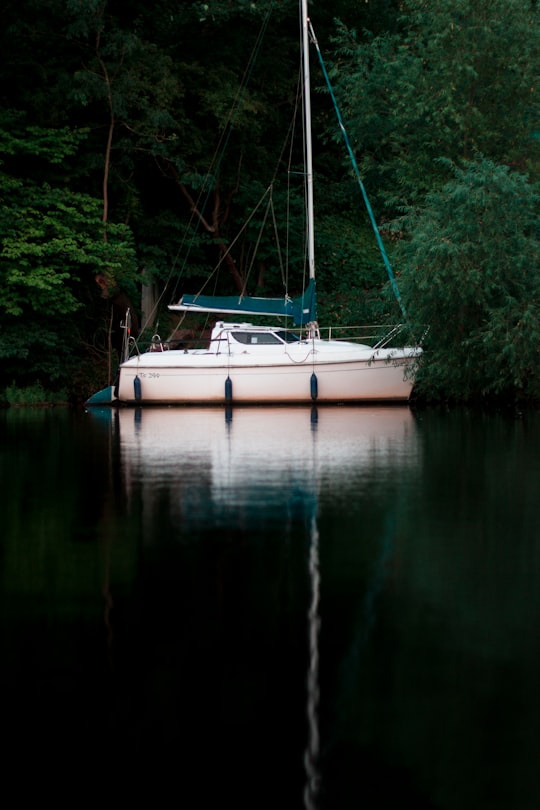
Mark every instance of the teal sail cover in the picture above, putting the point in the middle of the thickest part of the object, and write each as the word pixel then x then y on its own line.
pixel 302 309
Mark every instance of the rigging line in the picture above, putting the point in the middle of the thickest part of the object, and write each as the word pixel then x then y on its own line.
pixel 224 137
pixel 386 261
pixel 235 240
pixel 269 207
pixel 284 281
pixel 299 96
pixel 290 140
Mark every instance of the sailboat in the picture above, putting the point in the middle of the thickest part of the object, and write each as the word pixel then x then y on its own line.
pixel 247 363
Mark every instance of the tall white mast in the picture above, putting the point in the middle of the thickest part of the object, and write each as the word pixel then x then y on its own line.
pixel 308 149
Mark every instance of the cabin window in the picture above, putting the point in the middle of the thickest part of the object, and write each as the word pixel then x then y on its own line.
pixel 288 337
pixel 255 338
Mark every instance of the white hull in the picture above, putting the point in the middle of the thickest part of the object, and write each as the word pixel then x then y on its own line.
pixel 357 382
pixel 344 372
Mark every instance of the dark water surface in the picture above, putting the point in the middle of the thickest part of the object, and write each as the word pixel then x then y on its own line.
pixel 272 607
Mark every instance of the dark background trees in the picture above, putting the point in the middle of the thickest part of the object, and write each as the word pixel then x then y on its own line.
pixel 129 132
pixel 444 111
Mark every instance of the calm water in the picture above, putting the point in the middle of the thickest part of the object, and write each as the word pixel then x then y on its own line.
pixel 272 607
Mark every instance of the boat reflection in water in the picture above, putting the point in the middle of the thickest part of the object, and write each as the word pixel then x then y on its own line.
pixel 264 469
pixel 262 450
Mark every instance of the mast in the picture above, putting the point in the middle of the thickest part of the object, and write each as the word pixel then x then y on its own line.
pixel 307 135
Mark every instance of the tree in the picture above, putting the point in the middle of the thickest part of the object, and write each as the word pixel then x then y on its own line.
pixel 457 79
pixel 470 272
pixel 443 111
pixel 51 250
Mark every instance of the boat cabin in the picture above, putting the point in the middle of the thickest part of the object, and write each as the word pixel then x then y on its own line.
pixel 240 335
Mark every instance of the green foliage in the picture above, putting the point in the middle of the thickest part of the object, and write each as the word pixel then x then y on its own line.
pixel 470 272
pixel 134 142
pixel 351 272
pixel 33 395
pixel 53 244
pixel 457 79
pixel 51 234
pixel 18 137
pixel 40 349
pixel 423 103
